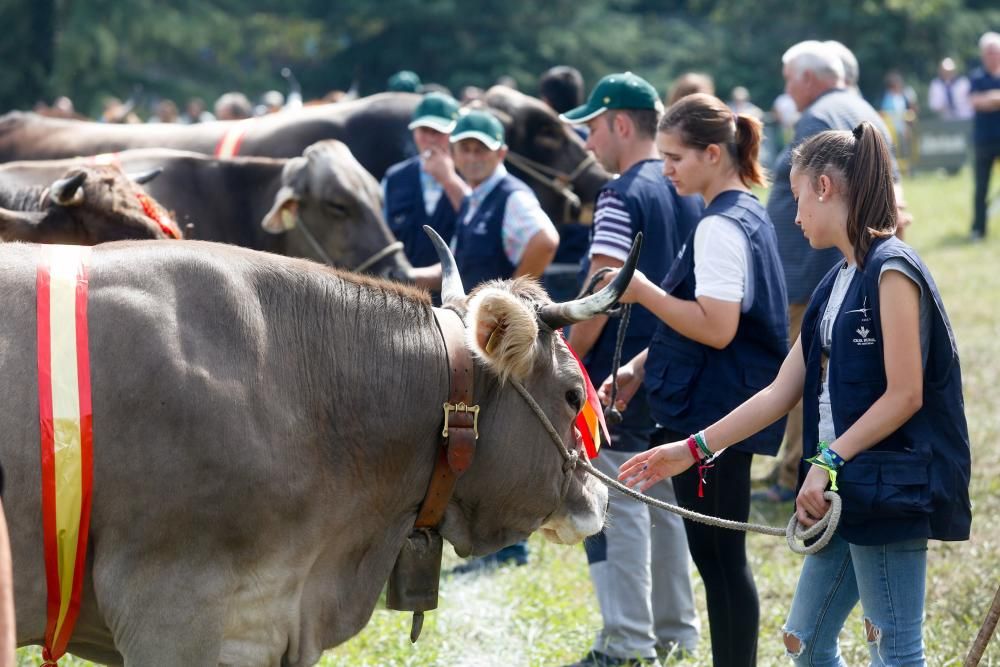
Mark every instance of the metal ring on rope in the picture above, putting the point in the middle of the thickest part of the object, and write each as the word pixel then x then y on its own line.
pixel 793 532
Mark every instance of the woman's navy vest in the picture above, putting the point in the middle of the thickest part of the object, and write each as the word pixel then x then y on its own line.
pixel 665 220
pixel 691 385
pixel 479 251
pixel 406 213
pixel 915 482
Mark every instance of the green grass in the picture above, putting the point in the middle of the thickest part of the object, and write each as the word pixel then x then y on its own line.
pixel 546 614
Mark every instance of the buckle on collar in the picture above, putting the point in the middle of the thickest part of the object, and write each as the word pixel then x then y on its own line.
pixel 461 407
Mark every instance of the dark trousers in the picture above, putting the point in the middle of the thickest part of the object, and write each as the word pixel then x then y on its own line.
pixel 985 154
pixel 720 553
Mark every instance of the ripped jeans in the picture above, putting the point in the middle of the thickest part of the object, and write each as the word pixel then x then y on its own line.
pixel 889 581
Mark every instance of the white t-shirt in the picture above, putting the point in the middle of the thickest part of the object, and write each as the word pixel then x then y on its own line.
pixel 827 433
pixel 723 266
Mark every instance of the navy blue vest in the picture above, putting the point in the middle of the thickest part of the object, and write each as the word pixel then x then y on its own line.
pixel 479 251
pixel 915 482
pixel 665 220
pixel 692 385
pixel 406 213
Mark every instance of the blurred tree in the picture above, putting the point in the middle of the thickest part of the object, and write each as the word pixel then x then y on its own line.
pixel 146 49
pixel 27 52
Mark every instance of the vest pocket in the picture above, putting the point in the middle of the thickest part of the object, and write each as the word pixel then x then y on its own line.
pixel 671 386
pixel 886 485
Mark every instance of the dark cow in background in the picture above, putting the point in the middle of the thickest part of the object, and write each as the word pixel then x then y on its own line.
pixel 262 445
pixel 80 205
pixel 375 129
pixel 269 204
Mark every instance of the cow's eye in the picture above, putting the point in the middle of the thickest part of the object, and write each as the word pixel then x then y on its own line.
pixel 335 208
pixel 575 399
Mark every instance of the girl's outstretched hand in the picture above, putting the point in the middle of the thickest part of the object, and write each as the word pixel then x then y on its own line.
pixel 653 465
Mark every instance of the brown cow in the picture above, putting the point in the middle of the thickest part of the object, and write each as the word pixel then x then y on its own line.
pixel 86 205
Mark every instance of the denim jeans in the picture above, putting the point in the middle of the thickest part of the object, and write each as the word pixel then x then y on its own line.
pixel 889 580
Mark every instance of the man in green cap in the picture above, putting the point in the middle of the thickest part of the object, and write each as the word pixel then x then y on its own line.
pixel 425 189
pixel 639 562
pixel 501 230
pixel 404 81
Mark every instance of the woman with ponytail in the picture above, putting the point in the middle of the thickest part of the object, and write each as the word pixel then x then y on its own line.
pixel 884 425
pixel 722 336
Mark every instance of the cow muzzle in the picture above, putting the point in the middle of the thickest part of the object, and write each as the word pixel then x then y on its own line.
pixel 581 514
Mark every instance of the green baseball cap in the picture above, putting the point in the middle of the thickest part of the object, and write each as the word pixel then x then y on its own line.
pixel 404 81
pixel 480 125
pixel 436 111
pixel 615 91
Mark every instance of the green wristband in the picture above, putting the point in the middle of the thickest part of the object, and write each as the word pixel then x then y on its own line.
pixel 699 438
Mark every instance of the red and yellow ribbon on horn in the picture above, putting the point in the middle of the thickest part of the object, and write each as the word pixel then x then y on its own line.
pixel 590 420
pixel 66 421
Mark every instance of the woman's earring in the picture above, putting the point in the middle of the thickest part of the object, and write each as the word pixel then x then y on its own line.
pixel 821 199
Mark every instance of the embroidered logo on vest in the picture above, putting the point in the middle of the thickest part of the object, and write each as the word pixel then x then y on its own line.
pixel 863 331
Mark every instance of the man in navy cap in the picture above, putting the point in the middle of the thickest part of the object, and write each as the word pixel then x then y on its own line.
pixel 425 189
pixel 639 562
pixel 501 230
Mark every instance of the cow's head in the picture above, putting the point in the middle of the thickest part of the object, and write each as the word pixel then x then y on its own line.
pixel 337 205
pixel 535 133
pixel 517 481
pixel 88 205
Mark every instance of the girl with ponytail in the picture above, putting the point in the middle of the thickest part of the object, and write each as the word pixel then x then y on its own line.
pixel 722 336
pixel 876 367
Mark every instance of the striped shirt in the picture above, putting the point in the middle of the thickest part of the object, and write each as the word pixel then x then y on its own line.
pixel 612 227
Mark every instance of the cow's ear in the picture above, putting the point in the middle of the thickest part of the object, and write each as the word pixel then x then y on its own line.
pixel 19 225
pixel 502 330
pixel 284 213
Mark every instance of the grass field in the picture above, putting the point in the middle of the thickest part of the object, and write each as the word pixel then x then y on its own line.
pixel 546 614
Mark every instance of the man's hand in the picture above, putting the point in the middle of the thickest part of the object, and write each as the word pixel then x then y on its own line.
pixel 629 381
pixel 438 163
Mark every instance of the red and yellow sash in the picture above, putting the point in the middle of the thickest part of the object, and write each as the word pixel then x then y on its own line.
pixel 66 434
pixel 229 144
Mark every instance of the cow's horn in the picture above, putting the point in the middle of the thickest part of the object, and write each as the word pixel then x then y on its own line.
pixel 451 283
pixel 146 176
pixel 558 315
pixel 67 192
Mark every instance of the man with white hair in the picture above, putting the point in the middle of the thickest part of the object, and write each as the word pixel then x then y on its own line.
pixel 815 78
pixel 851 69
pixel 984 94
